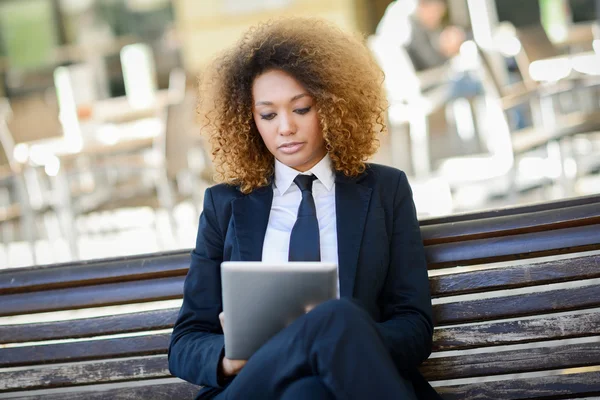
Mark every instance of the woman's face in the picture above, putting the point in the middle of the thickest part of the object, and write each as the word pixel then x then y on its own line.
pixel 287 120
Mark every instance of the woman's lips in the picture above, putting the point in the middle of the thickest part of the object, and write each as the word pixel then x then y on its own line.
pixel 291 148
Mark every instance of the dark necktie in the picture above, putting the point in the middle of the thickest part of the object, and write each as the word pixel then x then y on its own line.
pixel 305 244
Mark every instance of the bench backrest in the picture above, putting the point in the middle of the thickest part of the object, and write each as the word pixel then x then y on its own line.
pixel 500 310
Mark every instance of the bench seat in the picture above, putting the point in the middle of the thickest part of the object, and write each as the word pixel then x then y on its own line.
pixel 516 296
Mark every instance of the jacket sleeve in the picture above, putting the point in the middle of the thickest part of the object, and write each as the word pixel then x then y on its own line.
pixel 197 341
pixel 407 325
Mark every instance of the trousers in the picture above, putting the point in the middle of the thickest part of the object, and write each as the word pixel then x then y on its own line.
pixel 332 352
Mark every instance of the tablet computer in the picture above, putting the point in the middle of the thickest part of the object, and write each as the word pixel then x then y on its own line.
pixel 260 299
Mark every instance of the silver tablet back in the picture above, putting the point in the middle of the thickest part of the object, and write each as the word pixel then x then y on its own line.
pixel 261 299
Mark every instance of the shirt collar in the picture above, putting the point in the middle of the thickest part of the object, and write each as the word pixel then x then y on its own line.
pixel 284 175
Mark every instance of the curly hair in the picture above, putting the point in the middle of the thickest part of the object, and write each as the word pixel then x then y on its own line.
pixel 335 68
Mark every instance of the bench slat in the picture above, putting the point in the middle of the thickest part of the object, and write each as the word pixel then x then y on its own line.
pixel 89 327
pixel 580 215
pixel 456 338
pixel 571 269
pixel 538 303
pixel 528 245
pixel 92 296
pixel 159 389
pixel 62 375
pixel 85 350
pixel 80 273
pixel 516 332
pixel 512 210
pixel 547 387
pixel 512 361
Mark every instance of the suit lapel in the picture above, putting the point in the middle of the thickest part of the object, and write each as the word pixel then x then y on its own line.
pixel 250 218
pixel 351 205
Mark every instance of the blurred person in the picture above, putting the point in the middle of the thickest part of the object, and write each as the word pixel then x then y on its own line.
pixel 431 45
pixel 292 112
pixel 417 26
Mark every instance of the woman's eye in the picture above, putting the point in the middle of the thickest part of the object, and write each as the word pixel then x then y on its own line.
pixel 302 111
pixel 268 117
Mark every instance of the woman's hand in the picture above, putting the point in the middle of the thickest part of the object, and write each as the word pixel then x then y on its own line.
pixel 229 367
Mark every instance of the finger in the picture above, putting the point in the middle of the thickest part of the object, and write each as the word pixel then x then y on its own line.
pixel 235 361
pixel 222 320
pixel 239 365
pixel 309 308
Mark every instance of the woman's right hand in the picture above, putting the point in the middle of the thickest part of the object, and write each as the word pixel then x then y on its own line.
pixel 230 367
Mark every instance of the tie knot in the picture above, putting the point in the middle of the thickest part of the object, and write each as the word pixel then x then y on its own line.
pixel 305 182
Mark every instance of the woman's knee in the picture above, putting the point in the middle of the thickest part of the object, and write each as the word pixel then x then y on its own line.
pixel 342 309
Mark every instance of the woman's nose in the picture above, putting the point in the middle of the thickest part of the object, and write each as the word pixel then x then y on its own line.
pixel 286 125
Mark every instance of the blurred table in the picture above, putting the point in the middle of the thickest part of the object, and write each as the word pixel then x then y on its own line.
pixel 119 110
pixel 109 126
pixel 100 139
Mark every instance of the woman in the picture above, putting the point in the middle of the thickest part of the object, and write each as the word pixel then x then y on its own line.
pixel 293 111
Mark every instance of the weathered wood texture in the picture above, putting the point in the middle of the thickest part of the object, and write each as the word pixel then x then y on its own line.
pixel 587 214
pixel 62 375
pixel 89 327
pixel 94 272
pixel 84 350
pixel 537 303
pixel 92 296
pixel 513 210
pixel 516 332
pixel 162 389
pixel 549 387
pixel 556 271
pixel 512 361
pixel 514 247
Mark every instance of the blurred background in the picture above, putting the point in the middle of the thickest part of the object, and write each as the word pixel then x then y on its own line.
pixel 493 103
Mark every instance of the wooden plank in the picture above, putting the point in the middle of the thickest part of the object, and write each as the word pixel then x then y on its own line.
pixel 89 327
pixel 54 376
pixel 513 210
pixel 547 387
pixel 85 350
pixel 586 267
pixel 586 398
pixel 516 332
pixel 92 296
pixel 159 389
pixel 587 214
pixel 523 246
pixel 81 273
pixel 512 361
pixel 538 303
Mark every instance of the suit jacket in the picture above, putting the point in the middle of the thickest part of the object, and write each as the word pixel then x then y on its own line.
pixel 381 266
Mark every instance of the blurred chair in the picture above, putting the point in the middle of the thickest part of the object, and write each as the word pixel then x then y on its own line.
pixel 569 106
pixel 162 177
pixel 409 105
pixel 178 162
pixel 14 200
pixel 518 145
pixel 139 74
pixel 188 164
pixel 35 116
pixel 38 192
pixel 491 168
pixel 562 76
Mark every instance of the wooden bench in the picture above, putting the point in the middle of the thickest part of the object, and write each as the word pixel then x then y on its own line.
pixel 511 313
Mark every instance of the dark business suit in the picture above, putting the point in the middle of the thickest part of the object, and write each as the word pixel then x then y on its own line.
pixel 382 268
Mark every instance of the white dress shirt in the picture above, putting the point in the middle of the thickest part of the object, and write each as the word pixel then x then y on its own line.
pixel 284 210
